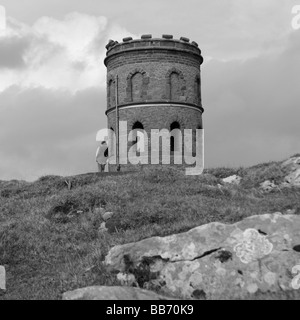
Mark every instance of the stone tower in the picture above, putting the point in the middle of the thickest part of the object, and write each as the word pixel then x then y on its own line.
pixel 159 84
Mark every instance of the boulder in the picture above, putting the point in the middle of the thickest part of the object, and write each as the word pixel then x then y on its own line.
pixel 126 279
pixel 293 178
pixel 107 216
pixel 2 278
pixel 232 179
pixel 100 211
pixel 216 260
pixel 292 166
pixel 268 186
pixel 112 293
pixel 292 163
pixel 103 227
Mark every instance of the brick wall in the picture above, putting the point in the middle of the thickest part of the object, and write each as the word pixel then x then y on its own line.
pixel 158 83
pixel 156 69
pixel 157 117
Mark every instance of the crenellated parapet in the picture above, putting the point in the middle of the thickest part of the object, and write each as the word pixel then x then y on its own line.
pixel 146 42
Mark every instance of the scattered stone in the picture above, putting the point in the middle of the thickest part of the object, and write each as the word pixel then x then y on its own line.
pixel 112 293
pixel 100 211
pixel 2 278
pixel 291 211
pixel 127 279
pixel 215 261
pixel 268 186
pixel 103 227
pixel 107 216
pixel 233 179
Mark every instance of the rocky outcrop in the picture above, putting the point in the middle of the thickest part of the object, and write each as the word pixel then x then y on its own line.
pixel 232 180
pixel 112 293
pixel 292 165
pixel 292 178
pixel 216 261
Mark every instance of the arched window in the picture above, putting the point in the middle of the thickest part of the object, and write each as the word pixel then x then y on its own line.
pixel 174 140
pixel 136 87
pixel 111 94
pixel 175 86
pixel 136 127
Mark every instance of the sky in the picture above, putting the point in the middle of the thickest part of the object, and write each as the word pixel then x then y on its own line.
pixel 53 80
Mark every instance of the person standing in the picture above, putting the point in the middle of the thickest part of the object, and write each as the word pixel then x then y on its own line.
pixel 102 156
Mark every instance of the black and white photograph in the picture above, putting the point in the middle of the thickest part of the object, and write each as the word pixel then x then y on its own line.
pixel 150 150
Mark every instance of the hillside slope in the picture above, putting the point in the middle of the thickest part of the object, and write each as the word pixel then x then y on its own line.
pixel 50 238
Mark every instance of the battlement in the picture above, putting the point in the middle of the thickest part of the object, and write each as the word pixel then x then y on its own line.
pixel 146 42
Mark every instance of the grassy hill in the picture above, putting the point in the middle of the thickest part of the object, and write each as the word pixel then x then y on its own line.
pixel 49 229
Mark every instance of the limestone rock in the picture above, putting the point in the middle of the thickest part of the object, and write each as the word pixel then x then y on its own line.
pixel 233 179
pixel 292 165
pixel 107 216
pixel 267 186
pixel 293 178
pixel 216 261
pixel 103 227
pixel 291 211
pixel 2 278
pixel 127 279
pixel 100 211
pixel 112 293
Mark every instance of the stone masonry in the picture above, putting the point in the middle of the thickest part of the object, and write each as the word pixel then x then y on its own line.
pixel 159 84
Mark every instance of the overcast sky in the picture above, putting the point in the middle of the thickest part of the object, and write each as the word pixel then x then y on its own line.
pixel 52 78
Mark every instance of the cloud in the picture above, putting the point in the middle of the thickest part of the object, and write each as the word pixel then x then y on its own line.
pixel 252 107
pixel 52 53
pixel 49 131
pixel 12 50
pixel 52 94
